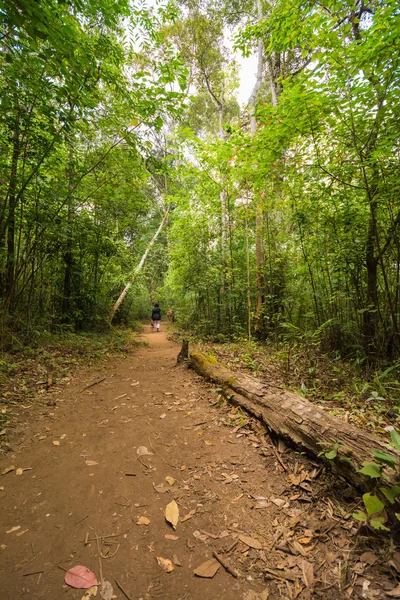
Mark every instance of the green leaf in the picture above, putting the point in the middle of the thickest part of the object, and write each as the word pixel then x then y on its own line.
pixel 378 525
pixel 387 459
pixel 395 437
pixel 371 470
pixel 391 493
pixel 360 515
pixel 372 504
pixel 332 454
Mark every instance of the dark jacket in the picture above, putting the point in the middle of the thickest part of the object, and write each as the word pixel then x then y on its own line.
pixel 156 313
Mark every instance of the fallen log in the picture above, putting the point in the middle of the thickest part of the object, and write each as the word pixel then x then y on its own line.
pixel 298 421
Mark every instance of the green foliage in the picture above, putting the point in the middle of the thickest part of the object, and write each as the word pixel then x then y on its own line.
pixel 81 111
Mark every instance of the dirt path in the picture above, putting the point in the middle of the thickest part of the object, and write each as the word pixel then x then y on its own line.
pixel 84 478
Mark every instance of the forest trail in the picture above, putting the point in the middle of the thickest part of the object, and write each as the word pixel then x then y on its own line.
pixel 84 478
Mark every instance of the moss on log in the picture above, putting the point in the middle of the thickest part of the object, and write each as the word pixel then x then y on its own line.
pixel 298 421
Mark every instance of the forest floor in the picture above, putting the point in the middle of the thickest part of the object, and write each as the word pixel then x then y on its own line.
pixel 89 472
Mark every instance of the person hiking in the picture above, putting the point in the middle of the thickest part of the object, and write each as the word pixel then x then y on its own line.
pixel 156 317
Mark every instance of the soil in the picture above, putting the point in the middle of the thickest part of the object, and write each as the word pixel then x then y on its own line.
pixel 95 460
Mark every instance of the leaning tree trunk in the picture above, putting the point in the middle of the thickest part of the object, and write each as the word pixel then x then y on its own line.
pixel 124 292
pixel 297 420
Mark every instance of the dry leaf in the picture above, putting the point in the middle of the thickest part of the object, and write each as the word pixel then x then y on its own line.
pixel 165 563
pixel 169 536
pixel 56 443
pixel 80 577
pixel 143 451
pixel 106 592
pixel 143 521
pixel 19 471
pixel 207 569
pixel 90 593
pixel 208 443
pixel 278 501
pixel 8 470
pixel 395 593
pixel 297 548
pixel 176 561
pixel 163 416
pixel 14 529
pixel 304 540
pixel 172 513
pixel 308 573
pixel 91 463
pixel 170 480
pixel 189 515
pixel 251 542
pixel 368 557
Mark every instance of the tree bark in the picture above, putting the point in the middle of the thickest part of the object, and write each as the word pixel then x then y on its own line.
pixel 297 420
pixel 12 205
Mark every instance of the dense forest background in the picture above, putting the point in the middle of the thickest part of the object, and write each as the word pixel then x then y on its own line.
pixel 121 132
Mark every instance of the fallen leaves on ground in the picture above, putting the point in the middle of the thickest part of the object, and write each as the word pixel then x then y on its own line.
pixel 91 463
pixel 170 480
pixel 172 513
pixel 207 569
pixel 91 592
pixel 14 529
pixel 19 471
pixel 169 536
pixel 251 542
pixel 395 593
pixel 308 573
pixel 189 515
pixel 106 591
pixel 80 577
pixel 165 564
pixel 8 470
pixel 143 451
pixel 143 521
pixel 369 557
pixel 56 443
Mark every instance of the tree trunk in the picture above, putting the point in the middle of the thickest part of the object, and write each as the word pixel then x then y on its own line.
pixel 370 313
pixel 259 320
pixel 297 420
pixel 12 204
pixel 137 270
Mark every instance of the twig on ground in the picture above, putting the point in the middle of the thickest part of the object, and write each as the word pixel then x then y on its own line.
pixel 103 537
pixel 110 555
pixel 33 573
pixel 224 564
pixel 232 546
pixel 278 458
pixel 92 384
pixel 80 520
pixel 99 556
pixel 151 445
pixel 122 589
pixel 151 426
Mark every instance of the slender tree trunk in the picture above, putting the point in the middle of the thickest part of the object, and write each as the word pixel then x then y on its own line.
pixel 369 315
pixel 124 292
pixel 68 253
pixel 259 320
pixel 12 204
pixel 248 274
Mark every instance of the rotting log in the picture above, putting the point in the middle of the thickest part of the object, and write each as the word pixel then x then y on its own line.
pixel 297 420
